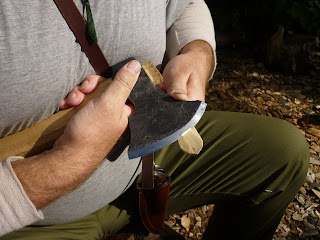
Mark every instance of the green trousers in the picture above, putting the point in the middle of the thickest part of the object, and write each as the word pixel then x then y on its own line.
pixel 251 167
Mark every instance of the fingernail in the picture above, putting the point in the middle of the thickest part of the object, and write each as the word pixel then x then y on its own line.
pixel 134 67
pixel 180 95
pixel 84 84
pixel 178 92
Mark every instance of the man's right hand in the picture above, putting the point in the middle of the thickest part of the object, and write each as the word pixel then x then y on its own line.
pixel 87 139
pixel 99 124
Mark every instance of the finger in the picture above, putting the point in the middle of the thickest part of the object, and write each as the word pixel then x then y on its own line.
pixel 176 84
pixel 90 83
pixel 75 97
pixel 64 104
pixel 122 84
pixel 128 110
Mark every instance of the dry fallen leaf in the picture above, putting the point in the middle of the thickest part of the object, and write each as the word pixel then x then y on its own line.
pixel 316 192
pixel 303 191
pixel 297 101
pixel 314 161
pixel 310 177
pixel 297 217
pixel 254 74
pixel 316 148
pixel 314 132
pixel 185 222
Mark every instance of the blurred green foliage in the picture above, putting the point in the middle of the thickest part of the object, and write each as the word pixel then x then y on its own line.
pixel 259 18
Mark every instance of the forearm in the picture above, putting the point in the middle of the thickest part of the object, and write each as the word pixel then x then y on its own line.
pixel 87 139
pixel 195 23
pixel 51 174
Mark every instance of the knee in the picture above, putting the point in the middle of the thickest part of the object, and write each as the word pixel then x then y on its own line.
pixel 289 147
pixel 273 143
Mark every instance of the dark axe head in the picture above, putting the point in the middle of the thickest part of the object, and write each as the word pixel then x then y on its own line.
pixel 158 119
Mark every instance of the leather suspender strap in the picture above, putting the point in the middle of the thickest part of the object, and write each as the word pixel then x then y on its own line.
pixel 78 26
pixel 147 171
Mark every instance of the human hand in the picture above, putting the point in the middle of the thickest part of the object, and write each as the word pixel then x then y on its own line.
pixel 95 129
pixel 185 76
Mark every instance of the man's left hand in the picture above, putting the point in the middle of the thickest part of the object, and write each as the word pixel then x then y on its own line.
pixel 186 75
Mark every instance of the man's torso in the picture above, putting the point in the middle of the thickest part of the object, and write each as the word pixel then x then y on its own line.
pixel 40 62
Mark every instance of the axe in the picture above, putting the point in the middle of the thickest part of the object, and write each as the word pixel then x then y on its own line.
pixel 158 121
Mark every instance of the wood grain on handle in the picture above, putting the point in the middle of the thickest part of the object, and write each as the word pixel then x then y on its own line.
pixel 191 142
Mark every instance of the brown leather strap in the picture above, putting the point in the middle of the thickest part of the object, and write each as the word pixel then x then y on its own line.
pixel 147 171
pixel 78 26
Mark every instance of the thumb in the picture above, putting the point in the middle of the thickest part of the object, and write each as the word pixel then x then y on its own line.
pixel 178 89
pixel 175 85
pixel 123 82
